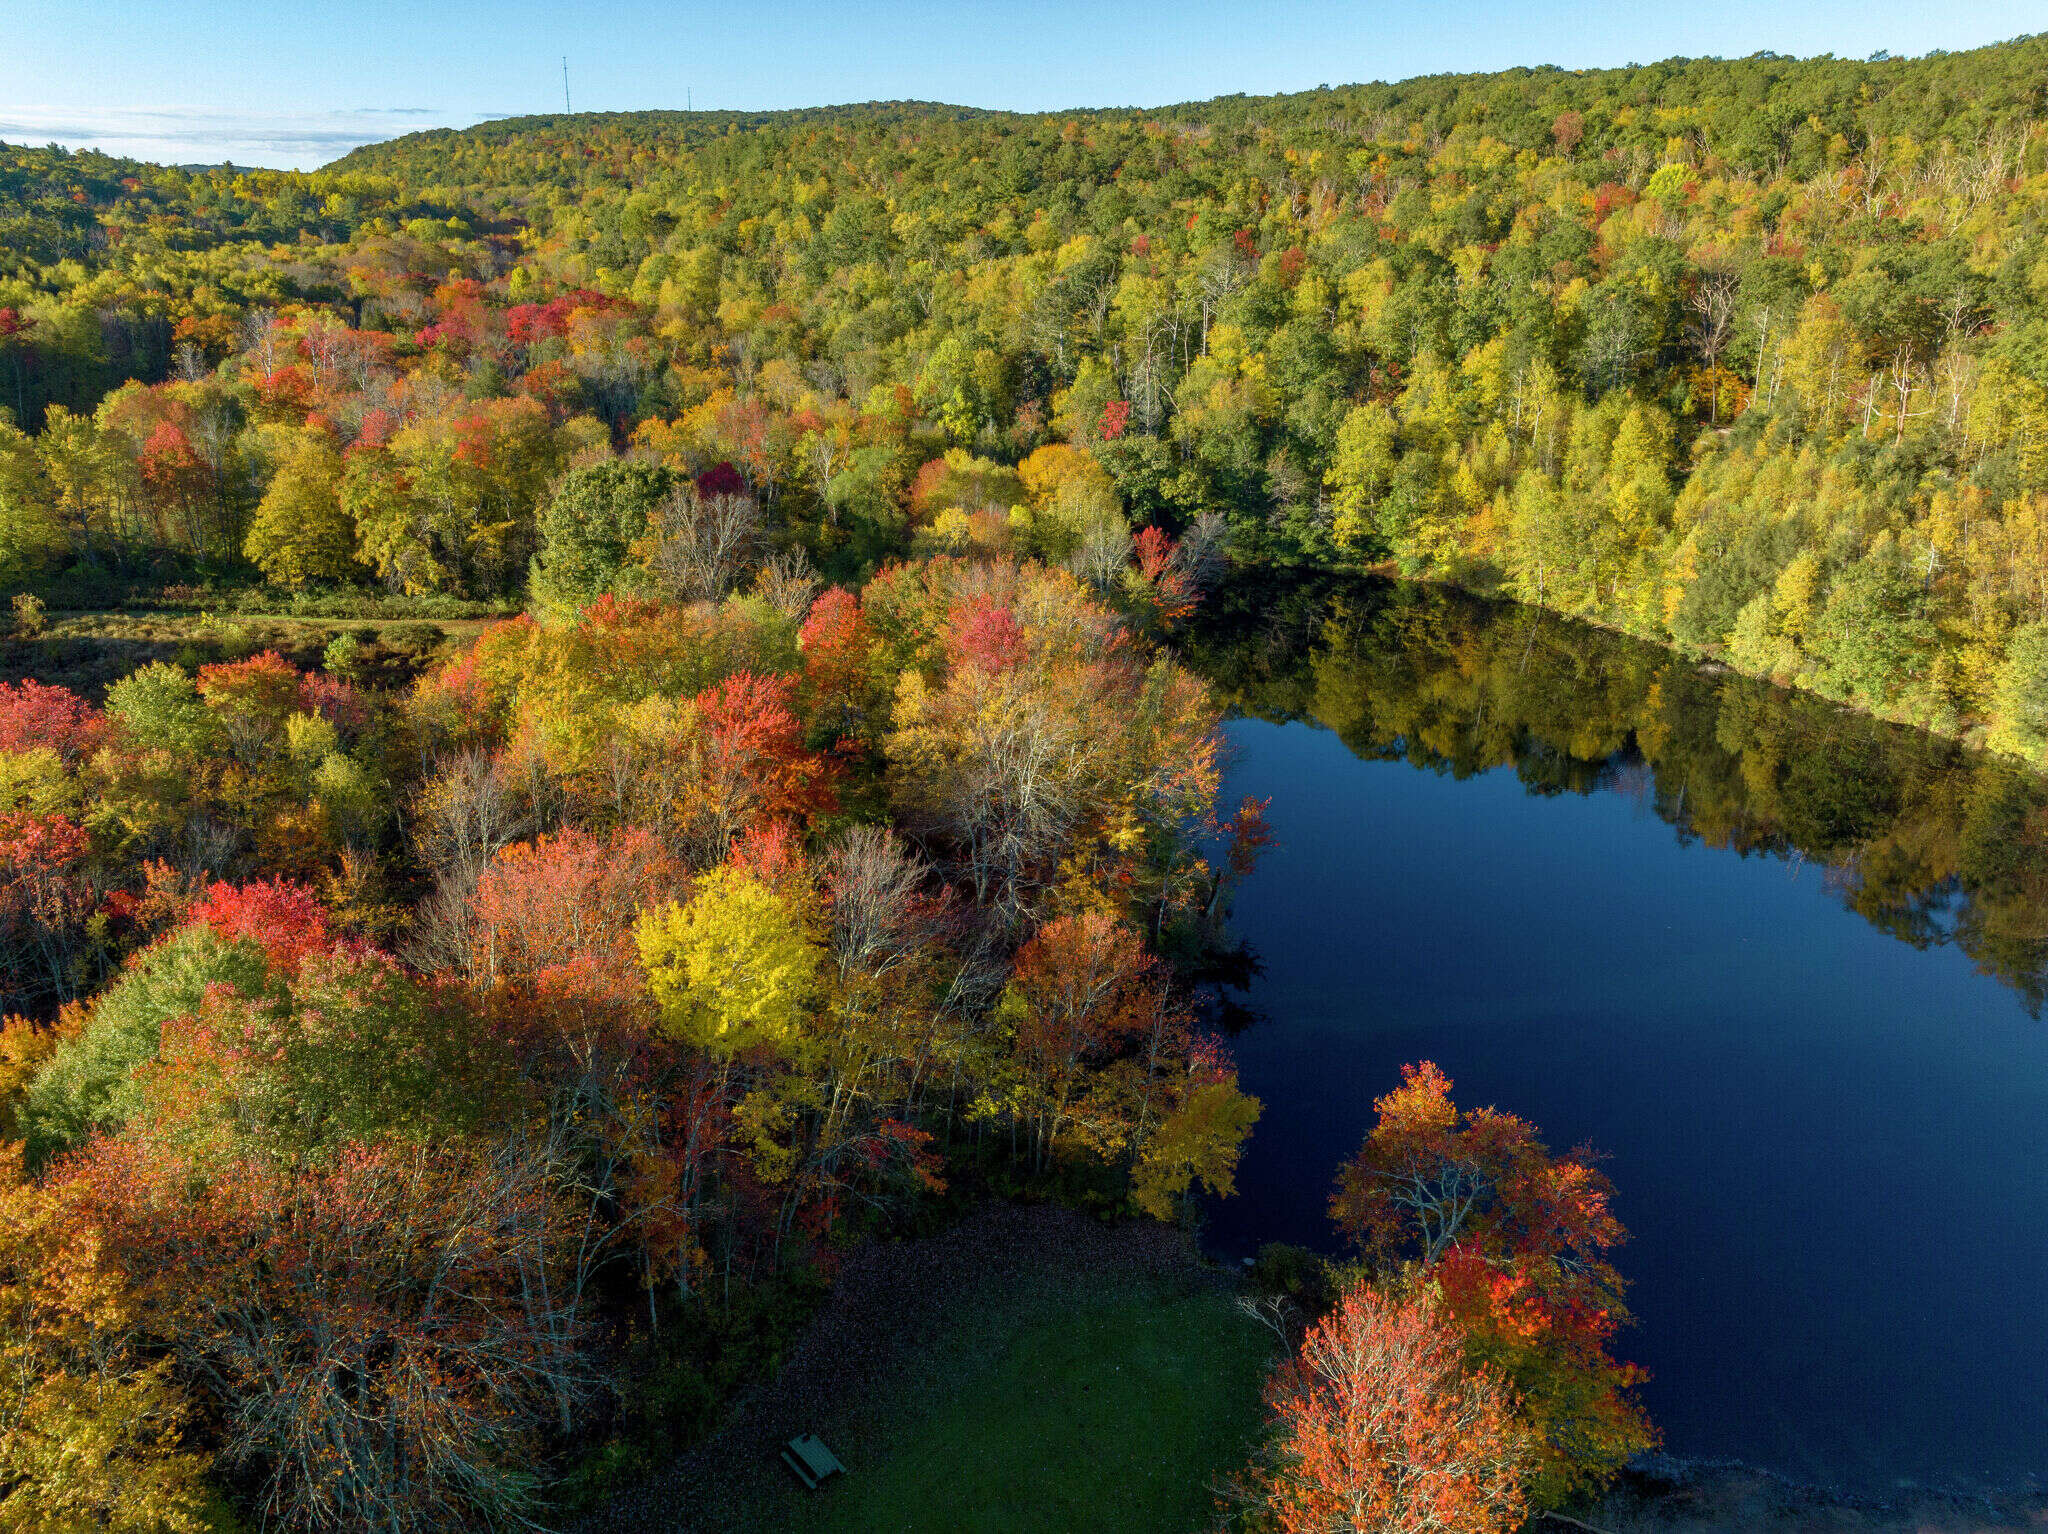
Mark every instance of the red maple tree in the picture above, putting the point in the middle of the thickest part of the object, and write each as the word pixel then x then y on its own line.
pixel 1380 1426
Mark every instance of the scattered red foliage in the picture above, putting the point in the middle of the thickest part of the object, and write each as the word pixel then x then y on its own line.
pixel 983 633
pixel 32 715
pixel 287 919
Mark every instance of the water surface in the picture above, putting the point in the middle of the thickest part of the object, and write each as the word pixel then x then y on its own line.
pixel 1780 963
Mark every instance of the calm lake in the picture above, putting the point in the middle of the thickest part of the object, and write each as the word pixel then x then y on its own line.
pixel 1781 964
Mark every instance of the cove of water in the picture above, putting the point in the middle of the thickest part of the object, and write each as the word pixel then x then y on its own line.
pixel 1781 964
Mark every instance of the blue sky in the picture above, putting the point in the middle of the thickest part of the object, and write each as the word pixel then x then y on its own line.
pixel 296 84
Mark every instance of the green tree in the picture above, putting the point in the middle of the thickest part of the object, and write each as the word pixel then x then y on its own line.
pixel 159 709
pixel 589 527
pixel 301 532
pixel 90 1081
pixel 1874 632
pixel 31 536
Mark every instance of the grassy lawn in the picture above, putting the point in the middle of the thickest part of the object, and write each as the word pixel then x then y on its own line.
pixel 1051 1410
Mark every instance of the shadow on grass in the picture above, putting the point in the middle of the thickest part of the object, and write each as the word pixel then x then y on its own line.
pixel 1058 1411
pixel 1030 1371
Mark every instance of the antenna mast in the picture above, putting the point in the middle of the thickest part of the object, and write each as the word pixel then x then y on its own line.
pixel 565 83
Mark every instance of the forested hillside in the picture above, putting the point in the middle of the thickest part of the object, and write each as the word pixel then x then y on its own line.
pixel 435 1080
pixel 1745 354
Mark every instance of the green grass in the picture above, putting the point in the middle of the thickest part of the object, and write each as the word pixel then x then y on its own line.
pixel 1066 1413
pixel 88 651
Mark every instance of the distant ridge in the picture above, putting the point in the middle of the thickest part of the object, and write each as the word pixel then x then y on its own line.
pixel 2002 76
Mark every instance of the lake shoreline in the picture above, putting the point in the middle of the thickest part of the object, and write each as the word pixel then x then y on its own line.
pixel 894 1297
pixel 1694 920
pixel 1690 1494
pixel 1970 735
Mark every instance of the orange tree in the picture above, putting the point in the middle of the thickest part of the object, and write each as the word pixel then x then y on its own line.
pixel 1380 1425
pixel 1516 1237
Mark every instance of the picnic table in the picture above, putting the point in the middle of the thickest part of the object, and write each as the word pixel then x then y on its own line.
pixel 812 1462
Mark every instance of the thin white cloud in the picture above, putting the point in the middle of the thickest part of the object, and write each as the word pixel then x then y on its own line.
pixel 201 136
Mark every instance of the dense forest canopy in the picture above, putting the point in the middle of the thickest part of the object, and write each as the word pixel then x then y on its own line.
pixel 437 1076
pixel 1746 354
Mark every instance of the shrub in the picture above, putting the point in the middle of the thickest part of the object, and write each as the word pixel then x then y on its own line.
pixel 159 709
pixel 31 617
pixel 1297 1273
pixel 415 638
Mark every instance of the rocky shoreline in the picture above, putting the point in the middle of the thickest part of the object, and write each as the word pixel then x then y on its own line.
pixel 1670 1494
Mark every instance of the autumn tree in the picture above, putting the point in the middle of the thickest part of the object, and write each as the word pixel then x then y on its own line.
pixel 1381 1426
pixel 351 1050
pixel 561 908
pixel 301 532
pixel 34 716
pixel 2021 695
pixel 376 1334
pixel 1086 988
pixel 887 922
pixel 733 967
pixel 1196 1144
pixel 996 767
pixel 46 898
pixel 251 700
pixel 754 768
pixel 93 1431
pixel 286 920
pixel 1517 1239
pixel 1046 740
pixel 838 648
pixel 476 805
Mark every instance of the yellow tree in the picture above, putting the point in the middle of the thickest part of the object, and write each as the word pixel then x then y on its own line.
pixel 89 1434
pixel 734 966
pixel 1361 471
pixel 1822 365
pixel 1199 1142
pixel 301 532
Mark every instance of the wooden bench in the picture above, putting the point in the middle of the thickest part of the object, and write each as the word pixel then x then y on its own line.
pixel 809 1459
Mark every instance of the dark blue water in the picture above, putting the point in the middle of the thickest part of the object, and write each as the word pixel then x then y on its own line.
pixel 1830 1146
